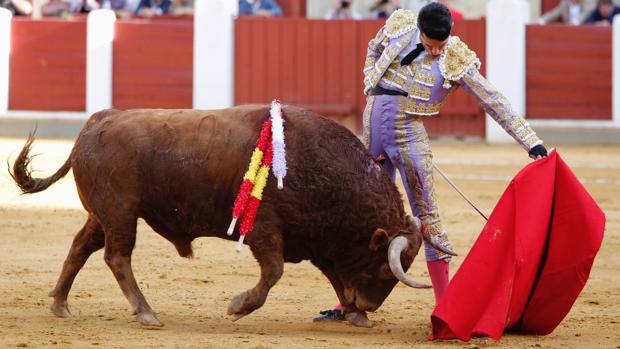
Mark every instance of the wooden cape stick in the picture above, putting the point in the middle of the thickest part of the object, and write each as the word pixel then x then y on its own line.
pixel 459 191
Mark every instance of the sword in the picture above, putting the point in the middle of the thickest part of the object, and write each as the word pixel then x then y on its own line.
pixel 459 191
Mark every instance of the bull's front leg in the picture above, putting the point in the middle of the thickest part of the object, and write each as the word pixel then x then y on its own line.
pixel 356 317
pixel 351 313
pixel 266 244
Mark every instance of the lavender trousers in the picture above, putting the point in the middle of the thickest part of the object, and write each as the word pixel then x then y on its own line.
pixel 402 140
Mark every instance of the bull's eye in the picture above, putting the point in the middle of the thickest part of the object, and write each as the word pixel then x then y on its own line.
pixel 385 272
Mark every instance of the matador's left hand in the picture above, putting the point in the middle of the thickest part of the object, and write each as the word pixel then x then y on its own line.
pixel 538 152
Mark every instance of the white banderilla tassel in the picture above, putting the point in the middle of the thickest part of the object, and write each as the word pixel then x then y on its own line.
pixel 232 226
pixel 240 243
pixel 279 148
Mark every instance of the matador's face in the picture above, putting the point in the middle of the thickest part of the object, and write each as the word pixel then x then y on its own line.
pixel 433 47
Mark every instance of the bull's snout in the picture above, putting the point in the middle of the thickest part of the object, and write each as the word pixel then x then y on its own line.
pixel 360 302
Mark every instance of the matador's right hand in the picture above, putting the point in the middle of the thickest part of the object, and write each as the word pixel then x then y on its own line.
pixel 538 152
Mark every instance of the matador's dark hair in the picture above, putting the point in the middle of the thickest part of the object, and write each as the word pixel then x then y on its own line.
pixel 435 21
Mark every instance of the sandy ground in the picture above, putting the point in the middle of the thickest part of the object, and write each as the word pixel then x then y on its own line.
pixel 191 296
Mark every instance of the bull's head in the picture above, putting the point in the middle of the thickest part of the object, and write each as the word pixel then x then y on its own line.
pixel 391 254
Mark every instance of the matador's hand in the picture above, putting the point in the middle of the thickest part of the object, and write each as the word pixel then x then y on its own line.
pixel 538 152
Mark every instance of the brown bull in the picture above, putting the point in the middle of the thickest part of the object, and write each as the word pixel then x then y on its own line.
pixel 180 170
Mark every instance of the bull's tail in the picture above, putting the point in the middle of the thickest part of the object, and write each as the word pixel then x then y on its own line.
pixel 22 173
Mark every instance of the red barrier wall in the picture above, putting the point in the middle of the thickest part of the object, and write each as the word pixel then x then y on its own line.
pixel 153 64
pixel 568 72
pixel 47 65
pixel 299 61
pixel 318 64
pixel 312 63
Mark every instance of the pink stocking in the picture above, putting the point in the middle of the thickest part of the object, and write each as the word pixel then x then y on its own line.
pixel 438 270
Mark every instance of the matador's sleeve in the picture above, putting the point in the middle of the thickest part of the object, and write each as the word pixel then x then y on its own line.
pixel 496 105
pixel 459 64
pixel 384 49
pixel 375 49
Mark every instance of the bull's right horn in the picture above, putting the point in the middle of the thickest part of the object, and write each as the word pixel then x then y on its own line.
pixel 397 246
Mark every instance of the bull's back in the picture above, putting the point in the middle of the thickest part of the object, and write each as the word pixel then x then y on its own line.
pixel 181 169
pixel 173 167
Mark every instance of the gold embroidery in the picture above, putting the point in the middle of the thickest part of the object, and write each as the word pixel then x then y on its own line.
pixel 401 139
pixel 390 77
pixel 425 78
pixel 412 142
pixel 456 59
pixel 370 101
pixel 421 108
pixel 420 92
pixel 400 22
pixel 500 110
pixel 427 62
pixel 421 76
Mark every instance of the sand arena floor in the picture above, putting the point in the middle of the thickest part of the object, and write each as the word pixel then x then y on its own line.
pixel 191 296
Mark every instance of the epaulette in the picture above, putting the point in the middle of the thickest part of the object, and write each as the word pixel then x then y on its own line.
pixel 456 60
pixel 400 23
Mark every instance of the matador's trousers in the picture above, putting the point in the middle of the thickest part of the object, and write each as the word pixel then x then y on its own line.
pixel 402 140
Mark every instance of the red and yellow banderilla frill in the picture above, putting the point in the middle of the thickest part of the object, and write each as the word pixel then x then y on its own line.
pixel 254 181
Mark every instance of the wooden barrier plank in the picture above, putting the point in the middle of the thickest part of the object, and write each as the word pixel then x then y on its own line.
pixel 273 60
pixel 351 65
pixel 318 54
pixel 48 65
pixel 568 72
pixel 258 47
pixel 333 63
pixel 242 61
pixel 153 64
pixel 304 64
pixel 289 61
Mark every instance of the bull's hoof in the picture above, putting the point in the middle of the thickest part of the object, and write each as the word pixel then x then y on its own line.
pixel 149 320
pixel 60 309
pixel 358 319
pixel 235 307
pixel 235 317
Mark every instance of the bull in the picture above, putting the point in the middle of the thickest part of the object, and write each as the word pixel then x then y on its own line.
pixel 180 170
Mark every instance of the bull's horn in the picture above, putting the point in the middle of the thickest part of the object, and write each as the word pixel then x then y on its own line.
pixel 397 246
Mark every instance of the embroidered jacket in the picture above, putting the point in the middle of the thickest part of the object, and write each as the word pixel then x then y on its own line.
pixel 428 80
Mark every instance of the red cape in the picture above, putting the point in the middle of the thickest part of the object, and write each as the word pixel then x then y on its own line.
pixel 531 260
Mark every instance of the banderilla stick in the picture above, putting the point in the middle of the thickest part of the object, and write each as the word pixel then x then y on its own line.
pixel 459 191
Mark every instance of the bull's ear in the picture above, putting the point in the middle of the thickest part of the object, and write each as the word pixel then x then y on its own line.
pixel 379 238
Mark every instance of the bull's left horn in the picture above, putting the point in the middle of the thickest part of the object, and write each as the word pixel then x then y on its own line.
pixel 397 246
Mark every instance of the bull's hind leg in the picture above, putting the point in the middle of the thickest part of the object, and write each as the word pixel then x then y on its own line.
pixel 120 239
pixel 88 240
pixel 266 244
